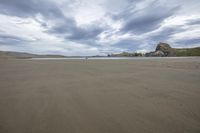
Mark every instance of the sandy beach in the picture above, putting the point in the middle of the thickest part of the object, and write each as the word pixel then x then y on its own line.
pixel 100 96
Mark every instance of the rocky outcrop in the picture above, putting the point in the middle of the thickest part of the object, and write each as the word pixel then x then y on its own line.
pixel 162 49
pixel 165 48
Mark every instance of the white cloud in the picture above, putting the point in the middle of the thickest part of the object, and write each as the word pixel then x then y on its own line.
pixel 37 40
pixel 96 26
pixel 192 32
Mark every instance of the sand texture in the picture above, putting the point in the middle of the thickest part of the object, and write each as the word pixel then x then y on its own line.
pixel 100 96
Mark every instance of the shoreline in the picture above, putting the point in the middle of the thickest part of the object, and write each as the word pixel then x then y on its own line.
pixel 113 58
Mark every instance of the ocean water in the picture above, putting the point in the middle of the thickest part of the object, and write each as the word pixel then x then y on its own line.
pixel 109 58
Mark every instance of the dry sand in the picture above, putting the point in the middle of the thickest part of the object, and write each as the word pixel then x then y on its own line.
pixel 100 96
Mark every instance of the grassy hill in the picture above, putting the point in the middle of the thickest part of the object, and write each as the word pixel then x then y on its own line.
pixel 21 55
pixel 164 49
pixel 187 52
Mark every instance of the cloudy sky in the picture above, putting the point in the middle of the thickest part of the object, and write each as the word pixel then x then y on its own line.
pixel 96 27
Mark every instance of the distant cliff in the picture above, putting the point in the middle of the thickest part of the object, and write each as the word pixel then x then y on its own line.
pixel 162 50
pixel 21 55
pixel 165 50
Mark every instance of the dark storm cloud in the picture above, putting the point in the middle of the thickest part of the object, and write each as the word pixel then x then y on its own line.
pixel 165 33
pixel 187 42
pixel 89 33
pixel 11 40
pixel 28 8
pixel 65 25
pixel 139 21
pixel 144 20
pixel 194 22
pixel 76 33
pixel 49 10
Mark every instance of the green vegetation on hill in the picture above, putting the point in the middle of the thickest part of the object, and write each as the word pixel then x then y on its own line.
pixel 163 50
pixel 187 52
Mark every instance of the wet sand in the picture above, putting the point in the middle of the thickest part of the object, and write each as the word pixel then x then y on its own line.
pixel 100 96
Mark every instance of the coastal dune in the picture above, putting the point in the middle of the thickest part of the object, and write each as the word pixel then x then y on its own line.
pixel 100 96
